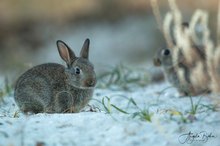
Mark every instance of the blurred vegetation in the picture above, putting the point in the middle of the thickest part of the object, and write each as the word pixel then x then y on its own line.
pixel 141 113
pixel 22 19
pixel 123 77
pixel 27 25
pixel 5 90
pixel 146 113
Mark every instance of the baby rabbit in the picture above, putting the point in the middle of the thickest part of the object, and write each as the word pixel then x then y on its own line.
pixel 164 58
pixel 54 88
pixel 185 78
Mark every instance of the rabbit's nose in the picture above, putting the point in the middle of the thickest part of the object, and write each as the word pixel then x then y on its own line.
pixel 90 82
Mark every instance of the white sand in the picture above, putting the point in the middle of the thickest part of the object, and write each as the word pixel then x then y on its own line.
pixel 117 129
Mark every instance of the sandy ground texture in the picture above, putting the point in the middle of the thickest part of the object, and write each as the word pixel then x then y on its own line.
pixel 169 123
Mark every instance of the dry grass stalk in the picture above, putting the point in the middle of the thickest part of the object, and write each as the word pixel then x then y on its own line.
pixel 199 19
pixel 192 60
pixel 156 12
pixel 189 59
pixel 218 25
pixel 198 53
pixel 166 29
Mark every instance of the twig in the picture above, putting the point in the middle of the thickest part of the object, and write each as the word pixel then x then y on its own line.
pixel 156 12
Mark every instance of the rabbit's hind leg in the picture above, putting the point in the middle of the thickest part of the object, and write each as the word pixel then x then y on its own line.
pixel 32 107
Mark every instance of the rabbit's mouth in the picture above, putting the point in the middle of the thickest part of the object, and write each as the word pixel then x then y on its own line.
pixel 90 82
pixel 82 87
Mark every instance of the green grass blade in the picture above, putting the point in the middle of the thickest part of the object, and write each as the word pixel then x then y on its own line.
pixel 119 109
pixel 107 108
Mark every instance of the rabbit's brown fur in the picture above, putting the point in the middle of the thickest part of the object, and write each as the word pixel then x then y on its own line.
pixel 54 88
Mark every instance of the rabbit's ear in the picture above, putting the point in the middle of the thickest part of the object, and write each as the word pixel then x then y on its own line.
pixel 65 52
pixel 85 49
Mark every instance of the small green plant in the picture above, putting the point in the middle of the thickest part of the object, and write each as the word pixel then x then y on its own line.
pixel 1 95
pixel 142 114
pixel 190 115
pixel 178 116
pixel 123 77
pixel 16 114
pixel 210 107
pixel 194 107
pixel 108 106
pixel 194 110
pixel 5 90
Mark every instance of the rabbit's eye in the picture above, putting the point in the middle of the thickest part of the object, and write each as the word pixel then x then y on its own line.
pixel 77 70
pixel 166 52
